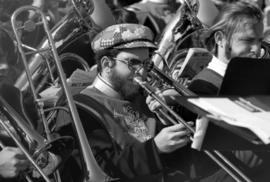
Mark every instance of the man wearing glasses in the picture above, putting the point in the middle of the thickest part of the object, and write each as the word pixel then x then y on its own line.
pixel 127 140
pixel 121 50
pixel 121 130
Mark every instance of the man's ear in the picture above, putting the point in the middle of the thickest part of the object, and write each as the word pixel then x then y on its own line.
pixel 107 62
pixel 219 38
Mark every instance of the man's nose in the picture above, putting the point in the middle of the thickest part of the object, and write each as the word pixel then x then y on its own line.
pixel 256 47
pixel 142 72
pixel 255 50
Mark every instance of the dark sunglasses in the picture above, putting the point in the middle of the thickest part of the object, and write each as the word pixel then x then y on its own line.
pixel 132 63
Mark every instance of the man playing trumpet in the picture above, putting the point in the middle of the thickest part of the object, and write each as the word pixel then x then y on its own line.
pixel 128 141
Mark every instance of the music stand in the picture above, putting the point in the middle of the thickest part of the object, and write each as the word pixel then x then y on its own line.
pixel 241 76
pixel 246 76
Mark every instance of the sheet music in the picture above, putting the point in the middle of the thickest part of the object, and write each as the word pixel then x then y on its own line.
pixel 239 112
pixel 196 59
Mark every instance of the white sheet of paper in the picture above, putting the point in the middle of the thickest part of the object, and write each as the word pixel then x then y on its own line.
pixel 234 114
pixel 201 126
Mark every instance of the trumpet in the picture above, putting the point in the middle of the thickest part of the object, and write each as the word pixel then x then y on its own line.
pixel 174 118
pixel 92 171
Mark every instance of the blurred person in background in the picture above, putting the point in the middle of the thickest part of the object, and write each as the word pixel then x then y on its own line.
pixel 115 4
pixel 8 58
pixel 54 9
pixel 7 7
pixel 158 12
pixel 123 15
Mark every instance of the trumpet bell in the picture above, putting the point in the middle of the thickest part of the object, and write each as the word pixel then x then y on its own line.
pixel 27 138
pixel 48 156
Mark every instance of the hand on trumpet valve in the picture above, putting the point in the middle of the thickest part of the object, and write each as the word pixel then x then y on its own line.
pixel 172 138
pixel 184 81
pixel 12 162
pixel 152 103
pixel 169 96
pixel 166 95
pixel 155 106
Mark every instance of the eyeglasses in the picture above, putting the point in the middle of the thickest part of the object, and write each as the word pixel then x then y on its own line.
pixel 132 63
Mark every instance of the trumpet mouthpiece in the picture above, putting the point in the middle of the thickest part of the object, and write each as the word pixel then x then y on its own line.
pixel 138 79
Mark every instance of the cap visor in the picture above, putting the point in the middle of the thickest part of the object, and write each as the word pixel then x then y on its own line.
pixel 136 44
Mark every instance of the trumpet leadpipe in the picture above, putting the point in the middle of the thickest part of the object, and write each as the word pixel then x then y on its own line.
pixel 151 91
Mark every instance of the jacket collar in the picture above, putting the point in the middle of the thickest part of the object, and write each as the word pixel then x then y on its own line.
pixel 218 66
pixel 105 87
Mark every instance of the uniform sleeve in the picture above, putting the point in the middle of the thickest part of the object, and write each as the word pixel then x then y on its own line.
pixel 135 159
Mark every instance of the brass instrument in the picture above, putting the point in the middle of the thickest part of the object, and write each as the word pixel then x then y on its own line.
pixel 182 24
pixel 92 172
pixel 174 41
pixel 174 118
pixel 72 36
pixel 32 135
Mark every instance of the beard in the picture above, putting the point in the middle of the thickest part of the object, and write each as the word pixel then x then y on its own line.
pixel 125 85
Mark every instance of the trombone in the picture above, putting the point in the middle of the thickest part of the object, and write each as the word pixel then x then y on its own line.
pixel 7 110
pixel 174 118
pixel 92 171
